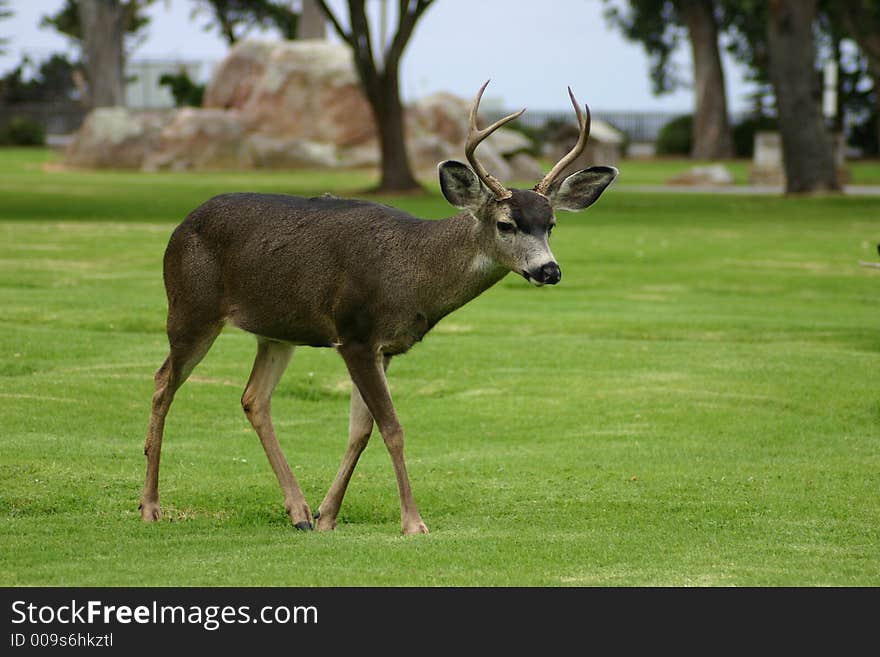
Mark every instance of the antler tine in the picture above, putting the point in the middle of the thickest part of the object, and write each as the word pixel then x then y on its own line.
pixel 475 136
pixel 584 124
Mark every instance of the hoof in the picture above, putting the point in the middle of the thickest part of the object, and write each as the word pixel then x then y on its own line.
pixel 325 524
pixel 418 527
pixel 304 525
pixel 149 512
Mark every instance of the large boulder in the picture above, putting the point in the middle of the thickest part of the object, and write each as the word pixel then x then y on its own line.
pixel 442 114
pixel 523 167
pixel 310 90
pixel 288 105
pixel 507 142
pixel 436 128
pixel 115 137
pixel 265 152
pixel 199 139
pixel 233 81
pixel 603 147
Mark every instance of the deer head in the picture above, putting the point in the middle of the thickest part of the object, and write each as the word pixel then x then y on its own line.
pixel 516 223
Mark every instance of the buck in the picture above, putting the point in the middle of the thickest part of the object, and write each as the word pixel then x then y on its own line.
pixel 362 278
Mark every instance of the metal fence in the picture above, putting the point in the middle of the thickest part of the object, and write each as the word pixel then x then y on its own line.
pixel 639 127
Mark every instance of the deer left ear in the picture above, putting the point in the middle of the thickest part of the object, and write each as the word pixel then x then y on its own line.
pixel 580 190
pixel 460 185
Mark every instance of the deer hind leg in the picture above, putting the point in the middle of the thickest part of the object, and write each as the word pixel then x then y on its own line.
pixel 360 426
pixel 185 354
pixel 365 366
pixel 270 363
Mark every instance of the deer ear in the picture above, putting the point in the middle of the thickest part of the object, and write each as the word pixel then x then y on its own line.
pixel 460 185
pixel 582 189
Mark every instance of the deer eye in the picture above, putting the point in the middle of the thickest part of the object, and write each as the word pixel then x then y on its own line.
pixel 506 227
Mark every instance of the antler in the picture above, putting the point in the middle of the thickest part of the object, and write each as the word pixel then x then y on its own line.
pixel 584 124
pixel 474 138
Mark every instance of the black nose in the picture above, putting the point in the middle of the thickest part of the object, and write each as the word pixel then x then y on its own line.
pixel 550 274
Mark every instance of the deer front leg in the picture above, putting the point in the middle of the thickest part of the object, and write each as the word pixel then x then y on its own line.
pixel 360 426
pixel 270 363
pixel 365 365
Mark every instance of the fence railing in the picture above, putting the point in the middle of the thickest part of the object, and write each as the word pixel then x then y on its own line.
pixel 638 126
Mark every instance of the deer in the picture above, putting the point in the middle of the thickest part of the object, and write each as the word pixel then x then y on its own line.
pixel 365 279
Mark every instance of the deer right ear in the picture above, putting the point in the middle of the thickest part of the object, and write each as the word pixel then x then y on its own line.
pixel 460 185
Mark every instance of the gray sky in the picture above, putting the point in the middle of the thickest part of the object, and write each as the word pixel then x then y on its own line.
pixel 530 49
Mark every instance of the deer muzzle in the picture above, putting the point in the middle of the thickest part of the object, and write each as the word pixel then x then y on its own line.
pixel 547 274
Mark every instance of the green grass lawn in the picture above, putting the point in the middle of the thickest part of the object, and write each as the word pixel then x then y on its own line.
pixel 659 171
pixel 697 403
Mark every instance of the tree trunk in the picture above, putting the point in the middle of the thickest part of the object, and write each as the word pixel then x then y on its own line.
pixel 103 25
pixel 312 24
pixel 382 86
pixel 806 144
pixel 388 112
pixel 712 138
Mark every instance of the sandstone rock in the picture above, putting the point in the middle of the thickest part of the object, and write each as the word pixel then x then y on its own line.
pixel 715 174
pixel 266 152
pixel 360 155
pixel 309 90
pixel 507 142
pixel 115 137
pixel 233 81
pixel 524 167
pixel 288 105
pixel 603 147
pixel 442 114
pixel 199 139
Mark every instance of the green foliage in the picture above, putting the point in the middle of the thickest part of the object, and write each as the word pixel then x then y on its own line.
pixel 184 90
pixel 865 135
pixel 66 19
pixel 744 134
pixel 745 25
pixel 235 18
pixel 690 435
pixel 22 131
pixel 657 25
pixel 676 137
pixel 53 82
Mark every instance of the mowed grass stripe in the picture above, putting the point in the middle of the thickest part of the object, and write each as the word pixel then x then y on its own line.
pixel 695 404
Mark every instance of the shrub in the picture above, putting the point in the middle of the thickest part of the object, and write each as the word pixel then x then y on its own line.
pixel 22 131
pixel 675 137
pixel 184 90
pixel 744 134
pixel 865 135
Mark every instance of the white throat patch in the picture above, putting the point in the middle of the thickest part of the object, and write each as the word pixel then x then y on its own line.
pixel 481 263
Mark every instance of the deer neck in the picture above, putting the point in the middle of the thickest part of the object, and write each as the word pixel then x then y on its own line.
pixel 456 265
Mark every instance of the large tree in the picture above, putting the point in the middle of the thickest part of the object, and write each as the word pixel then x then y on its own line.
pixel 380 79
pixel 101 27
pixel 806 143
pixel 712 135
pixel 659 25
